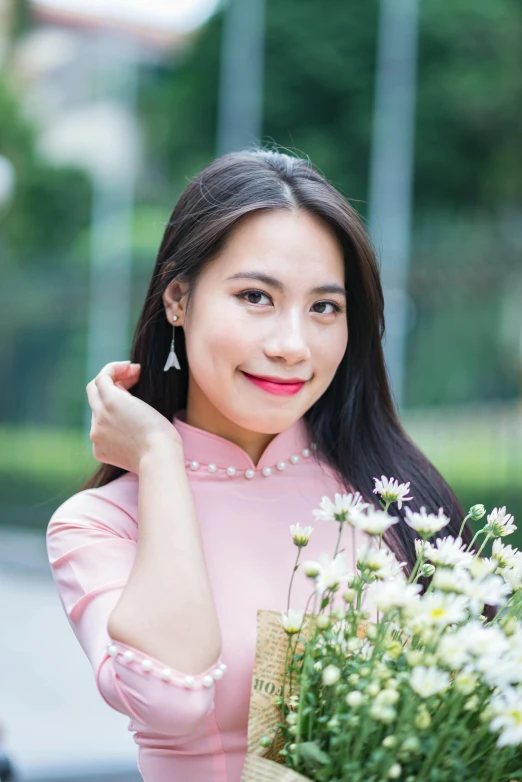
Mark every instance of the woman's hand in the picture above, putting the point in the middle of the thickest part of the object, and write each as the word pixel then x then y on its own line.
pixel 124 428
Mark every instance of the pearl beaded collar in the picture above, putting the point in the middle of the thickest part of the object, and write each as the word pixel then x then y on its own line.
pixel 266 472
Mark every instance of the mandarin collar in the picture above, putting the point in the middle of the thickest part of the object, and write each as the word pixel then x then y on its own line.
pixel 208 448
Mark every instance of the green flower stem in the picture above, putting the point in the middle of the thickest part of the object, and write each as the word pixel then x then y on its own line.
pixel 418 563
pixel 479 532
pixel 463 523
pixel 304 681
pixel 445 734
pixel 488 536
pixel 341 522
pixel 296 642
pixel 283 714
pixel 292 579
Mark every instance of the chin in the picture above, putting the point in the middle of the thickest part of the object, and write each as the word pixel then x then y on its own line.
pixel 265 420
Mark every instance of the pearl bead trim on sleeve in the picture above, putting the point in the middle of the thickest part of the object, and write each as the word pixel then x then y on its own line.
pixel 167 674
pixel 266 472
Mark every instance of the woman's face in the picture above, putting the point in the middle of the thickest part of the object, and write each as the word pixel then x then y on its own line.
pixel 280 327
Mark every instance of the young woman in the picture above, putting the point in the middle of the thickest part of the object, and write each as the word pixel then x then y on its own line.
pixel 267 291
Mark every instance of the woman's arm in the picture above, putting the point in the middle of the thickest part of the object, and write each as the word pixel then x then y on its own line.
pixel 167 608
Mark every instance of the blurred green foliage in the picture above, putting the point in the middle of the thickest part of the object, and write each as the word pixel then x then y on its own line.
pixel 50 205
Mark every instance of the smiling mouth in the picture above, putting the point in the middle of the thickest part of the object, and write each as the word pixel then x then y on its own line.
pixel 281 388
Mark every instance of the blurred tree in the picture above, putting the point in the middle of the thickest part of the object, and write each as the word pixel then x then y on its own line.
pixel 319 91
pixel 50 204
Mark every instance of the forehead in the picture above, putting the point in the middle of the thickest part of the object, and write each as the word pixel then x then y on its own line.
pixel 285 242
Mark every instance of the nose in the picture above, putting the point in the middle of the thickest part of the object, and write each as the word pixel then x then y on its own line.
pixel 288 340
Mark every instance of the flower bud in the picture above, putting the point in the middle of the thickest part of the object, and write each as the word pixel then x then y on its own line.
pixel 387 697
pixel 349 595
pixel 410 744
pixel 394 650
pixel 354 644
pixel 311 568
pixel 422 719
pixel 353 678
pixel 331 675
pixel 265 741
pixel 354 698
pixel 371 632
pixel 373 689
pixel 426 570
pixel 395 771
pixel 509 624
pixel 471 704
pixel 291 718
pixel 389 741
pixel 384 714
pixel 414 657
pixel 476 512
pixel 332 723
pixel 323 622
pixel 465 682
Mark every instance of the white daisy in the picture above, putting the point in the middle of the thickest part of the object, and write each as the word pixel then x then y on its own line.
pixel 450 650
pixel 332 572
pixel 391 490
pixel 439 609
pixel 507 556
pixel 340 508
pixel 386 595
pixel 507 708
pixel 426 681
pixel 381 562
pixel 500 523
pixel 292 621
pixel 512 576
pixel 448 551
pixel 481 641
pixel 492 590
pixel 426 523
pixel 447 579
pixel 300 535
pixel 482 567
pixel 372 521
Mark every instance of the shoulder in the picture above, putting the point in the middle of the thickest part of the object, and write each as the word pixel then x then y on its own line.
pixel 109 509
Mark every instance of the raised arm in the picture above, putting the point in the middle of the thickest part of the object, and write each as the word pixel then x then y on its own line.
pixel 139 599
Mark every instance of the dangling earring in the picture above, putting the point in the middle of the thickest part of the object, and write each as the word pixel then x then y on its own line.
pixel 172 360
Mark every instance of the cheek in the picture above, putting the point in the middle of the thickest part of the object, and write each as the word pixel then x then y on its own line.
pixel 216 346
pixel 331 350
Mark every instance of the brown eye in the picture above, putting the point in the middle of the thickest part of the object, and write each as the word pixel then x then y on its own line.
pixel 336 307
pixel 245 294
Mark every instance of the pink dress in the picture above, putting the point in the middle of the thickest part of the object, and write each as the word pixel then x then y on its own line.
pixel 194 728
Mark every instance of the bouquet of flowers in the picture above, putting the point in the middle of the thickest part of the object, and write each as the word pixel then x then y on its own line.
pixel 430 691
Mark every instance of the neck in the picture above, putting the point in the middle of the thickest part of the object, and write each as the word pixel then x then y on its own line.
pixel 208 418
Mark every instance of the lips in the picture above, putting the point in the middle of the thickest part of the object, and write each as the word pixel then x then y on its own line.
pixel 278 387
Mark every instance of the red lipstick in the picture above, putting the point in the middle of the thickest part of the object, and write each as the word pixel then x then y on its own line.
pixel 276 386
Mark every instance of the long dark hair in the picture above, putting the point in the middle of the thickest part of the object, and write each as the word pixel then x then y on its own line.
pixel 354 423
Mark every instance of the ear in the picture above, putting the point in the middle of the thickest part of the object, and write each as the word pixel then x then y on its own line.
pixel 174 299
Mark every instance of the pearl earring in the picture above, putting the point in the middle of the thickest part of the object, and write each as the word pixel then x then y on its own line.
pixel 172 360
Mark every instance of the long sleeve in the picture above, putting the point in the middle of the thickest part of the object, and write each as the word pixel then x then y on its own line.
pixel 91 544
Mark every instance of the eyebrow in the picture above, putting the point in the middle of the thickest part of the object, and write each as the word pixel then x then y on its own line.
pixel 268 280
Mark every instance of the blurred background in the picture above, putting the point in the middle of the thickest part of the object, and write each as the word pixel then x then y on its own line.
pixel 412 108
